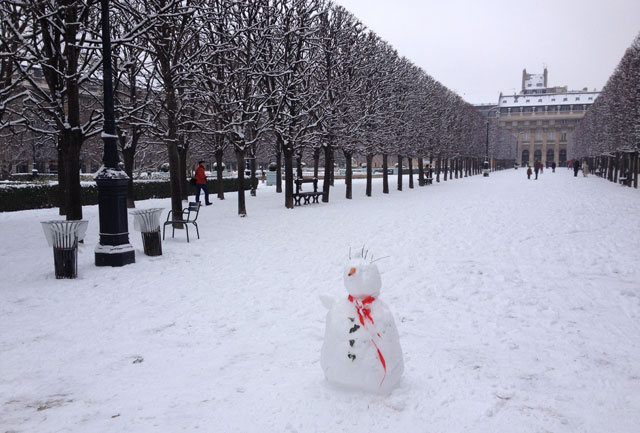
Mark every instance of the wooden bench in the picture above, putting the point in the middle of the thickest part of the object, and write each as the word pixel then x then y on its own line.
pixel 428 180
pixel 189 216
pixel 298 196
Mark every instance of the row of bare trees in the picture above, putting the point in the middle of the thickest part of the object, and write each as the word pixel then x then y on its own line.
pixel 609 134
pixel 212 76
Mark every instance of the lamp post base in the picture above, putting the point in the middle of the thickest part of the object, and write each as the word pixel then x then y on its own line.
pixel 114 255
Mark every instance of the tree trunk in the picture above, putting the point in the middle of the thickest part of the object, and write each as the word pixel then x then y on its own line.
pixel 127 156
pixel 438 170
pixel 410 162
pixel 445 162
pixel 184 190
pixel 333 171
pixel 74 204
pixel 399 172
pixel 369 173
pixel 385 174
pixel 636 169
pixel 174 175
pixel 420 172
pixel 328 169
pixel 279 172
pixel 316 162
pixel 349 175
pixel 299 165
pixel 62 180
pixel 219 171
pixel 288 178
pixel 242 209
pixel 254 180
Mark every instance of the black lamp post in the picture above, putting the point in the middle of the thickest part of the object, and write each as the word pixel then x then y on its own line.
pixel 485 167
pixel 113 248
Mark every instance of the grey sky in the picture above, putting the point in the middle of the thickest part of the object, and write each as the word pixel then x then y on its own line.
pixel 479 48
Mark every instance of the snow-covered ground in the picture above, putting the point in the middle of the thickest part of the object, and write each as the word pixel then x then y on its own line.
pixel 517 304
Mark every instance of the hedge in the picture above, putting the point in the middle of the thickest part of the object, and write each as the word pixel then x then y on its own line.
pixel 23 196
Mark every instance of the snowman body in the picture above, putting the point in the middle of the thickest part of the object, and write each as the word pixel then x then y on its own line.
pixel 361 347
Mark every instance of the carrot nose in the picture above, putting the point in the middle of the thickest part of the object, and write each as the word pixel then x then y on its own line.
pixel 352 271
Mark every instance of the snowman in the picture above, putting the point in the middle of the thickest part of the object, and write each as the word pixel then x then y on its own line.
pixel 361 347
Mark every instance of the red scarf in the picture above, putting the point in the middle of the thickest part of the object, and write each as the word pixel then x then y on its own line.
pixel 364 312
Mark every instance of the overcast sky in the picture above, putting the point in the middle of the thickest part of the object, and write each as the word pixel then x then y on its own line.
pixel 479 48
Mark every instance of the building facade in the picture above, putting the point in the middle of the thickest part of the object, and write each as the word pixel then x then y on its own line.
pixel 542 118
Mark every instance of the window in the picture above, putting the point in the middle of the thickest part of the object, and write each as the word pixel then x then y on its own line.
pixel 552 108
pixel 550 136
pixel 563 137
pixel 514 123
pixel 528 109
pixel 577 98
pixel 525 157
pixel 526 123
pixel 504 110
pixel 525 136
pixel 577 108
pixel 539 100
pixel 526 100
pixel 590 98
pixel 538 135
pixel 565 99
pixel 504 101
pixel 565 107
pixel 553 99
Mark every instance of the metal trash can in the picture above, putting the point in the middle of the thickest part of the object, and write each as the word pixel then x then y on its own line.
pixel 64 236
pixel 147 221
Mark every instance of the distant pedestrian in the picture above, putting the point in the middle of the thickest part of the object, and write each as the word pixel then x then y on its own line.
pixel 536 168
pixel 585 168
pixel 529 172
pixel 576 168
pixel 569 165
pixel 201 183
pixel 553 167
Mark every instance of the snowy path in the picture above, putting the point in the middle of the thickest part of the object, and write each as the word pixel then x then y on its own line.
pixel 517 303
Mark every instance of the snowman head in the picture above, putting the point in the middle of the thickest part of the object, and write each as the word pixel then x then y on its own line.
pixel 362 278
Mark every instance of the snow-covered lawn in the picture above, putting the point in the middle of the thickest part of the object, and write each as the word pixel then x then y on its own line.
pixel 517 304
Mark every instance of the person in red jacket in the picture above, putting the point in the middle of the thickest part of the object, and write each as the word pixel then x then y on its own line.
pixel 201 183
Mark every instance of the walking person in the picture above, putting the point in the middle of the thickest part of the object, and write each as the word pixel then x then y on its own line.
pixel 536 168
pixel 576 168
pixel 553 167
pixel 529 171
pixel 201 183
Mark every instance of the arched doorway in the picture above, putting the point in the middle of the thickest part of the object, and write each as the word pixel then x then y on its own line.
pixel 525 158
pixel 550 155
pixel 562 157
pixel 537 156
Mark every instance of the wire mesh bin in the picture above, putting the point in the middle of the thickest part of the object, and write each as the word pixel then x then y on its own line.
pixel 64 236
pixel 147 221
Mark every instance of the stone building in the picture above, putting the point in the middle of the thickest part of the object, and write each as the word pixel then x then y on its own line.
pixel 542 118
